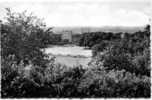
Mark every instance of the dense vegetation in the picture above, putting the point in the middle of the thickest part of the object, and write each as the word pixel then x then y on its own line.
pixel 23 36
pixel 92 38
pixel 122 71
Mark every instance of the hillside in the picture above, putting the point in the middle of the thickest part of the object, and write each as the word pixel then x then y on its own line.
pixel 76 30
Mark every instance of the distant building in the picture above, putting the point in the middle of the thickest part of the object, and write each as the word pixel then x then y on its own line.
pixel 67 35
pixel 123 35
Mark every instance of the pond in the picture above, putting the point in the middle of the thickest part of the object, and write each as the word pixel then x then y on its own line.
pixel 70 55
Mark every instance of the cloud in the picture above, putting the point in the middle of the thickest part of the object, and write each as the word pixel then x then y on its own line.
pixel 84 14
pixel 96 15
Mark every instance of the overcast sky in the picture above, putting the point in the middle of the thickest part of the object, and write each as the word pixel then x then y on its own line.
pixel 84 12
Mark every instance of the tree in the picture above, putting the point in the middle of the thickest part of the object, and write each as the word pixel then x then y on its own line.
pixel 23 35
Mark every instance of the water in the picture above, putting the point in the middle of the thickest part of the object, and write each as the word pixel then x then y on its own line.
pixel 72 61
pixel 69 50
pixel 70 55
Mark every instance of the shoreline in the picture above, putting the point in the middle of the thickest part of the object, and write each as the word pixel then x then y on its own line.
pixel 68 50
pixel 74 56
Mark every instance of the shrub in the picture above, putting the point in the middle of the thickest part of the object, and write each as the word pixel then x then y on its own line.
pixel 60 81
pixel 129 55
pixel 20 80
pixel 142 65
pixel 139 64
pixel 114 84
pixel 98 48
pixel 16 81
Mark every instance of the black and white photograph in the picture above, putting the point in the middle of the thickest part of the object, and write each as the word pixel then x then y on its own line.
pixel 75 49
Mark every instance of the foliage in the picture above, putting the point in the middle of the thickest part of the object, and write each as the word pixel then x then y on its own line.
pixel 123 71
pixel 114 84
pixel 98 48
pixel 60 81
pixel 24 35
pixel 131 53
pixel 93 38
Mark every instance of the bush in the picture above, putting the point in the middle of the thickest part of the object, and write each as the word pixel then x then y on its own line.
pixel 114 84
pixel 138 64
pixel 131 55
pixel 60 81
pixel 142 65
pixel 20 80
pixel 17 81
pixel 98 48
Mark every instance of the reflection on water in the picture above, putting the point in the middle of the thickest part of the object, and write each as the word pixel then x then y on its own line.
pixel 69 50
pixel 70 55
pixel 72 61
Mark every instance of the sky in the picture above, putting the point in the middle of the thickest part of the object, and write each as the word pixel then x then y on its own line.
pixel 84 12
